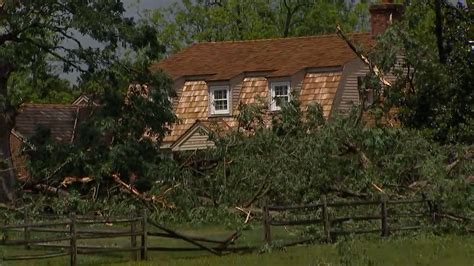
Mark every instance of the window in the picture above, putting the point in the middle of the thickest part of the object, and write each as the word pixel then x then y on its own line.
pixel 219 100
pixel 280 92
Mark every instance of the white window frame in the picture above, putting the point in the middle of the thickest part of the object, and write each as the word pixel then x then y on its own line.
pixel 212 90
pixel 273 102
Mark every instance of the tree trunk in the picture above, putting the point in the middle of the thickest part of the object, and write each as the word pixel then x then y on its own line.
pixel 289 16
pixel 7 121
pixel 439 32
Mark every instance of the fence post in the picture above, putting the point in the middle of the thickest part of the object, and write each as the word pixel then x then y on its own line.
pixel 144 238
pixel 73 232
pixel 433 209
pixel 27 229
pixel 5 233
pixel 267 235
pixel 326 222
pixel 133 239
pixel 384 215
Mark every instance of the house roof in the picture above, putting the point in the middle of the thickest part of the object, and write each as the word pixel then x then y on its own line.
pixel 60 119
pixel 277 57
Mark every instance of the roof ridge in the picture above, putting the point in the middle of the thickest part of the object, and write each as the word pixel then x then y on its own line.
pixel 281 38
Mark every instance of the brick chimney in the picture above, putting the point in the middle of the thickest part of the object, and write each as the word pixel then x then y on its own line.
pixel 382 15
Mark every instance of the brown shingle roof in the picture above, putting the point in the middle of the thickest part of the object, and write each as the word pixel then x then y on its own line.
pixel 60 119
pixel 282 57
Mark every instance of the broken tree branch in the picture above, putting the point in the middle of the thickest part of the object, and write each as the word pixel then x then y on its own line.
pixel 373 68
pixel 468 155
pixel 353 148
pixel 260 193
pixel 148 201
pixel 50 190
pixel 69 180
pixel 348 193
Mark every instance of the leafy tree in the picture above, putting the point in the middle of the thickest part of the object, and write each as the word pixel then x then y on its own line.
pixel 41 87
pixel 204 20
pixel 33 38
pixel 299 159
pixel 434 91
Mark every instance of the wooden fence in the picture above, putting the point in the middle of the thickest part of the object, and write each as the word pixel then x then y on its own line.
pixel 72 229
pixel 326 221
pixel 139 228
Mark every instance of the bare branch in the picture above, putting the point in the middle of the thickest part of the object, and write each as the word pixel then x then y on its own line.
pixel 373 68
pixel 51 51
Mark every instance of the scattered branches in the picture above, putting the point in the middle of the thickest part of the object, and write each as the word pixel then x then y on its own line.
pixel 148 201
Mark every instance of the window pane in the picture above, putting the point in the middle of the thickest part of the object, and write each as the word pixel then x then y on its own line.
pixel 220 105
pixel 281 90
pixel 220 94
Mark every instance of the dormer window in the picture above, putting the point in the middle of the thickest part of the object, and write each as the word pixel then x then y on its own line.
pixel 219 100
pixel 280 92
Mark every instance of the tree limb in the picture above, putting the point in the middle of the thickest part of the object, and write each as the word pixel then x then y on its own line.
pixel 373 68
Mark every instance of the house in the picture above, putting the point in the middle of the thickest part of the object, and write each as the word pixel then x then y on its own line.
pixel 212 79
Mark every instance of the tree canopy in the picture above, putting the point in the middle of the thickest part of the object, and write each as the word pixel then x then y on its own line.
pixel 433 90
pixel 43 38
pixel 189 21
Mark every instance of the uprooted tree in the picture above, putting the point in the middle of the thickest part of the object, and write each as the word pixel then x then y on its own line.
pixel 42 38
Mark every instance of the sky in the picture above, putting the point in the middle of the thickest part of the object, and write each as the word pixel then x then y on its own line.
pixel 133 7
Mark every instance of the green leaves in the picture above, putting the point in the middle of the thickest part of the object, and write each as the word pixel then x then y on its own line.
pixel 431 94
pixel 192 21
pixel 122 133
pixel 300 158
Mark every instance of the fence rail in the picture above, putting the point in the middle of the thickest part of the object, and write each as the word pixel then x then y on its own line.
pixel 70 232
pixel 65 232
pixel 326 221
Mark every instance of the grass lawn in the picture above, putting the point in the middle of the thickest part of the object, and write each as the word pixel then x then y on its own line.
pixel 420 249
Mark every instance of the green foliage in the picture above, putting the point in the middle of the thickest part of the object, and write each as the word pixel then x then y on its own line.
pixel 120 136
pixel 295 162
pixel 40 88
pixel 434 92
pixel 189 21
pixel 43 40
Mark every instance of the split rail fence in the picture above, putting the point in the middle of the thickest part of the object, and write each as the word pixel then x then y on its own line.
pixel 323 209
pixel 329 217
pixel 76 228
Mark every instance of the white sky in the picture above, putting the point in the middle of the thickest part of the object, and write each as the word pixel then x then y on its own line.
pixel 134 6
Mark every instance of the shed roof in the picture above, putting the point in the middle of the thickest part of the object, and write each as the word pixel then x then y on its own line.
pixel 278 57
